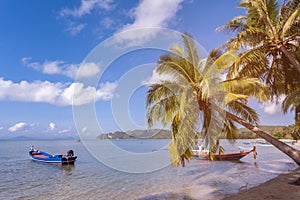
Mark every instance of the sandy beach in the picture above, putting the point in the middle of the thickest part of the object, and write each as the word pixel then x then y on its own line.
pixel 277 188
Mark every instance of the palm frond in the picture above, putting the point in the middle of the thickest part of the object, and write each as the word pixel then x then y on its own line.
pixel 222 63
pixel 245 112
pixel 252 62
pixel 162 90
pixel 230 130
pixel 177 50
pixel 291 101
pixel 246 87
pixel 176 67
pixel 184 130
pixel 288 24
pixel 235 25
pixel 273 10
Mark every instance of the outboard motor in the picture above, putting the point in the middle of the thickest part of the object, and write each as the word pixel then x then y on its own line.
pixel 70 153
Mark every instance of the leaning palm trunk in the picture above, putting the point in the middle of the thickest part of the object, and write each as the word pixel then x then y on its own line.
pixel 288 150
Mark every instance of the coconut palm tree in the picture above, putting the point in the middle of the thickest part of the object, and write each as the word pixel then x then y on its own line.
pixel 267 40
pixel 267 35
pixel 197 98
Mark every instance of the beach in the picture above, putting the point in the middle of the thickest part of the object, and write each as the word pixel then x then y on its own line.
pixel 277 188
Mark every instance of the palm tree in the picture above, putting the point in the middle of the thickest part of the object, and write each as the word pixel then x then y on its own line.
pixel 267 39
pixel 269 34
pixel 197 98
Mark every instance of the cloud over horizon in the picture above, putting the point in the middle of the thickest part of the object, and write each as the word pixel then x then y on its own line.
pixel 57 67
pixel 59 94
pixel 17 127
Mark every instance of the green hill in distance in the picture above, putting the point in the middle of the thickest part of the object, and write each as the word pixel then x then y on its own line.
pixel 280 132
pixel 137 134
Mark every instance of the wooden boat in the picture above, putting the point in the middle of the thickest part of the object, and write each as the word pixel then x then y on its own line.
pixel 41 156
pixel 199 154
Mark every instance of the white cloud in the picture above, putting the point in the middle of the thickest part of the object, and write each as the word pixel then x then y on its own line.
pixel 1 128
pixel 74 28
pixel 273 108
pixel 52 67
pixel 105 91
pixel 17 127
pixel 63 131
pixel 52 126
pixel 86 7
pixel 55 93
pixel 107 22
pixel 149 14
pixel 86 70
pixel 26 59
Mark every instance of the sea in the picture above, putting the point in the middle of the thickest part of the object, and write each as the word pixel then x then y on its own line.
pixel 94 178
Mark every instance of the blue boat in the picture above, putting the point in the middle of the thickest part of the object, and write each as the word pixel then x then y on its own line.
pixel 41 156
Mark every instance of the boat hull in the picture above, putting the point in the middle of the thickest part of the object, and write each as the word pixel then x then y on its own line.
pixel 230 157
pixel 55 159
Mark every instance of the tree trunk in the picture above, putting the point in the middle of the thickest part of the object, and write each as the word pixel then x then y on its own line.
pixel 291 58
pixel 288 150
pixel 297 114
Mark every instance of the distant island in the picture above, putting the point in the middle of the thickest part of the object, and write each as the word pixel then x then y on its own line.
pixel 137 134
pixel 280 132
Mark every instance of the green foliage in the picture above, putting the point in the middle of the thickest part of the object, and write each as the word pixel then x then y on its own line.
pixel 278 135
pixel 291 101
pixel 187 102
pixel 137 134
pixel 294 131
pixel 267 39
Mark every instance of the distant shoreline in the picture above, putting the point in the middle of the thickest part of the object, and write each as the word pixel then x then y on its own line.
pixel 279 132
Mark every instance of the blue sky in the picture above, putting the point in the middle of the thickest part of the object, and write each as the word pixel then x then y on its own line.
pixel 42 44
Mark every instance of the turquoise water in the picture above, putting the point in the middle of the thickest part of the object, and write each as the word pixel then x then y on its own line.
pixel 22 178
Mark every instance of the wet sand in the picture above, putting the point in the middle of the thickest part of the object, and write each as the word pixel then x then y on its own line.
pixel 277 188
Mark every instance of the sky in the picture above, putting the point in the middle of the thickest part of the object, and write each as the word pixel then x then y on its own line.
pixel 47 50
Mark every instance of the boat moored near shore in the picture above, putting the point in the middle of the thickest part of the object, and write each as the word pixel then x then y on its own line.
pixel 41 156
pixel 200 154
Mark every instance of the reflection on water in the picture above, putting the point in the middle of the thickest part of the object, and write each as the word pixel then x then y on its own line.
pixel 68 168
pixel 89 179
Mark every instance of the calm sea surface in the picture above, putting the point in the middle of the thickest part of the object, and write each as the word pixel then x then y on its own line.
pixel 22 178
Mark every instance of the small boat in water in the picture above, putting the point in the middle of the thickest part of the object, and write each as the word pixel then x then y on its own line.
pixel 200 154
pixel 41 156
pixel 263 143
pixel 246 146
